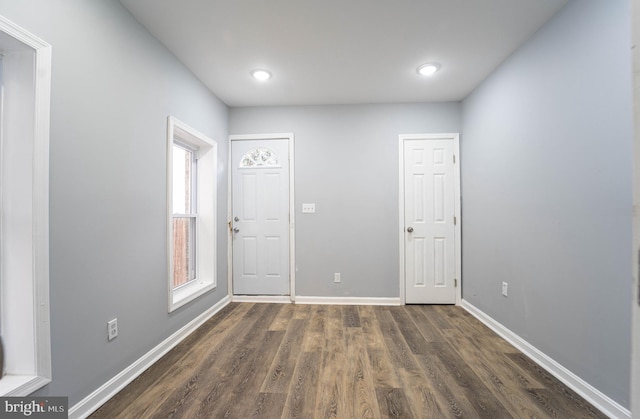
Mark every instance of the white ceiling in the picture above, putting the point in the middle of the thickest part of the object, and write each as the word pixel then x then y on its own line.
pixel 341 51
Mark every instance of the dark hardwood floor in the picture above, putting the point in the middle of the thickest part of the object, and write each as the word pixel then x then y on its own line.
pixel 310 361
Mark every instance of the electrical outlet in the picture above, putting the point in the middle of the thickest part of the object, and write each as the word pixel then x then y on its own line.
pixel 309 208
pixel 336 277
pixel 112 329
pixel 505 289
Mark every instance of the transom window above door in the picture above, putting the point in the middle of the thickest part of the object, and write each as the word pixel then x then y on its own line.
pixel 259 157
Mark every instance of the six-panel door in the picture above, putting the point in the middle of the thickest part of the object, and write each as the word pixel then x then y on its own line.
pixel 429 221
pixel 260 216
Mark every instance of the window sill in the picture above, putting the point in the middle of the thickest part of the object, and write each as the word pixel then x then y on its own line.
pixel 21 385
pixel 189 293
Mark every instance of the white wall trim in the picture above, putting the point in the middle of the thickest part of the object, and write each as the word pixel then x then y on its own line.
pixel 594 396
pixel 292 219
pixel 292 231
pixel 27 74
pixel 358 301
pixel 206 229
pixel 93 401
pixel 455 137
pixel 22 385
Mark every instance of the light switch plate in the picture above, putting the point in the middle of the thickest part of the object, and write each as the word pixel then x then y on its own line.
pixel 308 208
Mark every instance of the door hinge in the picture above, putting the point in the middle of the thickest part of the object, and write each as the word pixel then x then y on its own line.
pixel 455 282
pixel 455 220
pixel 454 159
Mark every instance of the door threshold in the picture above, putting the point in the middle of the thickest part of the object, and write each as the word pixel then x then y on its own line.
pixel 282 299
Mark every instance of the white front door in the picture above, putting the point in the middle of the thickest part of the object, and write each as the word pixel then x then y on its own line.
pixel 429 230
pixel 260 216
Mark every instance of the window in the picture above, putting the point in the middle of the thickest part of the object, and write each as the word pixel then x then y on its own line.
pixel 259 157
pixel 185 216
pixel 191 183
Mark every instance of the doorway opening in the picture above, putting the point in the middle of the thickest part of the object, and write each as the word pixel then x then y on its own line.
pixel 24 203
pixel 261 217
pixel 430 219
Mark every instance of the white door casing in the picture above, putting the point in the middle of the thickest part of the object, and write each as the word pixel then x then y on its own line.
pixel 24 233
pixel 430 219
pixel 261 217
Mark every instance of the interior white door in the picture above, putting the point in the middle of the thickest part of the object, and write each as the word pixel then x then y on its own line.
pixel 260 216
pixel 429 194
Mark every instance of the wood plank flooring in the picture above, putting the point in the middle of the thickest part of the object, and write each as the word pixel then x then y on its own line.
pixel 306 361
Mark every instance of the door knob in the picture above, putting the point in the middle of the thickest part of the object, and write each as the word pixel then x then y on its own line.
pixel 236 229
pixel 236 219
pixel 410 229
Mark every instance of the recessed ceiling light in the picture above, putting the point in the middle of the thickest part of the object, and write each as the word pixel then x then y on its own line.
pixel 261 75
pixel 428 69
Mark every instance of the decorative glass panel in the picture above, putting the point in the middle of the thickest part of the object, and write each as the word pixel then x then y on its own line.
pixel 259 157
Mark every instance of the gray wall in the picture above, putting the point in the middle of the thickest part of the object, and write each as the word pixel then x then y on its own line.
pixel 113 86
pixel 635 334
pixel 346 161
pixel 546 186
pixel 546 161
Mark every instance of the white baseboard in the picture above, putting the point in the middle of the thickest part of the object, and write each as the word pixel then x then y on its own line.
pixel 361 301
pixel 279 299
pixel 594 396
pixel 109 389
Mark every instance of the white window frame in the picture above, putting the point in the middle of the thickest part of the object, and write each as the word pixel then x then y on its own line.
pixel 206 192
pixel 24 224
pixel 193 214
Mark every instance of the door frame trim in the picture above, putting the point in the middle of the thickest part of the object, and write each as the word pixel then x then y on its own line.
pixel 292 254
pixel 27 78
pixel 455 137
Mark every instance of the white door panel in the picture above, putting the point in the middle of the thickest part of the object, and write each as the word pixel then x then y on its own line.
pixel 260 213
pixel 430 254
